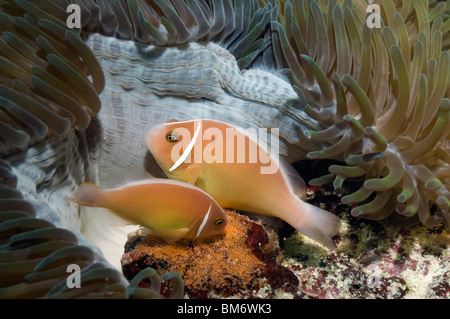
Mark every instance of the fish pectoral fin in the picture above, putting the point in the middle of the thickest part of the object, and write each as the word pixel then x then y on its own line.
pixel 192 173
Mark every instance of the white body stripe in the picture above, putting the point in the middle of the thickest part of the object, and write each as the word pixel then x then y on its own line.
pixel 188 149
pixel 202 225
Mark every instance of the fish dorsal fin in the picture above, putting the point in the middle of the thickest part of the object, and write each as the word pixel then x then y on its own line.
pixel 295 182
pixel 127 175
pixel 111 219
pixel 254 135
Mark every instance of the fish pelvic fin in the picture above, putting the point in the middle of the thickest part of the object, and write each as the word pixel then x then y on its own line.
pixel 171 235
pixel 87 195
pixel 315 223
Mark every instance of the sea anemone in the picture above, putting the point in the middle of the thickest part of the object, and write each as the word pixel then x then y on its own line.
pixel 34 254
pixel 45 89
pixel 134 291
pixel 376 99
pixel 386 97
pixel 35 257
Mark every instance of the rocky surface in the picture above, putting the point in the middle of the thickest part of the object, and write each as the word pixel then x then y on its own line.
pixel 373 259
pixel 244 262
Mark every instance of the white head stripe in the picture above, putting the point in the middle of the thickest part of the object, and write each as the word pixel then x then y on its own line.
pixel 188 149
pixel 202 225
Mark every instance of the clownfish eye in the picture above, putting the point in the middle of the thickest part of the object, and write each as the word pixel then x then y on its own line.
pixel 172 137
pixel 219 221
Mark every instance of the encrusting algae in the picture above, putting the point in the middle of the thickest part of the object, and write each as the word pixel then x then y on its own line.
pixel 239 260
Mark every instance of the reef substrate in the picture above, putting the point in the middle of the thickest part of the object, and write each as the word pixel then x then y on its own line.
pixel 244 262
pixel 373 259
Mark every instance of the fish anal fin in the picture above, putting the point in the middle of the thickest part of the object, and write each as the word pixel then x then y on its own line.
pixel 315 223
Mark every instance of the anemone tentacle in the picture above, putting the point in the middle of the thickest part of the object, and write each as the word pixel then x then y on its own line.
pixel 402 113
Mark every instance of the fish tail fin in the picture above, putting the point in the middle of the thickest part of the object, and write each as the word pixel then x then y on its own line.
pixel 316 223
pixel 87 195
